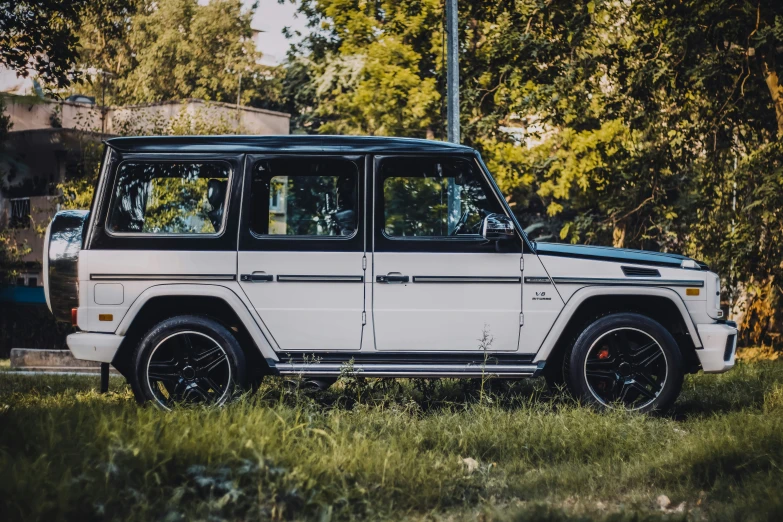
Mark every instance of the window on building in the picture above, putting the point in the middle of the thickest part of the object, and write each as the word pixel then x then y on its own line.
pixel 169 198
pixel 29 279
pixel 20 213
pixel 304 197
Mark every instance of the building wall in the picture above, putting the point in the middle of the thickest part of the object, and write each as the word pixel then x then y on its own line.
pixel 192 113
pixel 30 113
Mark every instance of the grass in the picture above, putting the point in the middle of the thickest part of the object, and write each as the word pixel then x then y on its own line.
pixel 391 450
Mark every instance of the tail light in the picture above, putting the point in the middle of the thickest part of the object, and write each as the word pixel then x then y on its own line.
pixel 74 316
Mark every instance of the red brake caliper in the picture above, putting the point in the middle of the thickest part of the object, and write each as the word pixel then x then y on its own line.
pixel 602 354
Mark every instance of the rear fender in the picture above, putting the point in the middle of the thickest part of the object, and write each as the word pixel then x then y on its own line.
pixel 202 290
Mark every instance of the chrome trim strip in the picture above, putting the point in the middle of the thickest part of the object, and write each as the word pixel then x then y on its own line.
pixel 164 277
pixel 466 279
pixel 537 280
pixel 618 282
pixel 410 370
pixel 320 279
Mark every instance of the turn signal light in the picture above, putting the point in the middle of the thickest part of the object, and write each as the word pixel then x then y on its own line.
pixel 691 291
pixel 74 316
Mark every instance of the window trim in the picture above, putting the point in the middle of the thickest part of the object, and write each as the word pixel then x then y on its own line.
pixel 286 237
pixel 110 208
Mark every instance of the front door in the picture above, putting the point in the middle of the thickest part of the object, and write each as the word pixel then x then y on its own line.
pixel 437 284
pixel 301 250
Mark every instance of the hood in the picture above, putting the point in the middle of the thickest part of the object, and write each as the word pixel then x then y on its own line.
pixel 617 255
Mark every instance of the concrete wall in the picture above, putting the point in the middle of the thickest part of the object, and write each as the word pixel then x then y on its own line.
pixel 196 117
pixel 30 113
pixel 187 117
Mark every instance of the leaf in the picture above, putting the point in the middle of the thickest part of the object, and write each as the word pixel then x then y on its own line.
pixel 564 230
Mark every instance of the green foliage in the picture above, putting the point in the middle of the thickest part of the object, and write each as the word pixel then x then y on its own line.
pixel 369 68
pixel 11 251
pixel 40 34
pixel 605 122
pixel 176 49
pixel 44 36
pixel 381 449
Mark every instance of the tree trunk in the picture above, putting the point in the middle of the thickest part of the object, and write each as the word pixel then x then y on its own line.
pixel 776 91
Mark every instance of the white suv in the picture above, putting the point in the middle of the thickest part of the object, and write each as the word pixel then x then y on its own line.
pixel 208 262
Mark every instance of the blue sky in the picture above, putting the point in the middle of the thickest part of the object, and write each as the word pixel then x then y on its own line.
pixel 271 17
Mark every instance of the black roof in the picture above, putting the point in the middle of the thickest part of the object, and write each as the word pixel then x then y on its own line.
pixel 291 143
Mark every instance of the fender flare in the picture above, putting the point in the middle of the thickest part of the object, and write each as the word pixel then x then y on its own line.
pixel 202 290
pixel 583 294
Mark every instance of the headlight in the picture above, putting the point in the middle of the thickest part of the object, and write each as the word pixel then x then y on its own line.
pixel 713 296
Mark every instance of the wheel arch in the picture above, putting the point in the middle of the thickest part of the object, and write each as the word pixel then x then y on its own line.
pixel 162 302
pixel 587 304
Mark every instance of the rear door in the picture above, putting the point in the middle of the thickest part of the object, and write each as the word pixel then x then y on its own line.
pixel 301 249
pixel 437 284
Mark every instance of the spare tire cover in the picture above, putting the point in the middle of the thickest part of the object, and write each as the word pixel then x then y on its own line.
pixel 64 240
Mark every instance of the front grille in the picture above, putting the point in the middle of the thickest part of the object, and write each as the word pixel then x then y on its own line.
pixel 729 350
pixel 635 271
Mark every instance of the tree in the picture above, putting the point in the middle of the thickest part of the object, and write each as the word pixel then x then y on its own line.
pixel 651 124
pixel 368 68
pixel 177 49
pixel 43 36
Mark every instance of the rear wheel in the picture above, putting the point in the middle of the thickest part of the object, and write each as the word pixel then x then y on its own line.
pixel 189 360
pixel 628 361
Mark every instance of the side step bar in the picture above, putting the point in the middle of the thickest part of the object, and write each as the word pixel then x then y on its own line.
pixel 416 370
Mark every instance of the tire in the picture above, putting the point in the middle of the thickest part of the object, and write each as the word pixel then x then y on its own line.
pixel 628 361
pixel 188 360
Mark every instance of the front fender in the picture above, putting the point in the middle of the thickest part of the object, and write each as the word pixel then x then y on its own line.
pixel 581 295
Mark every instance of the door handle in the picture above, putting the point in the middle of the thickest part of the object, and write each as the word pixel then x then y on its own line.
pixel 257 277
pixel 392 277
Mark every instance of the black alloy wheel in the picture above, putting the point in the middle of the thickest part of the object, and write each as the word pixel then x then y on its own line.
pixel 189 360
pixel 626 361
pixel 626 366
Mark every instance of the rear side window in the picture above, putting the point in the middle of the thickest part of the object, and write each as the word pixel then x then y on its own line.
pixel 169 198
pixel 315 197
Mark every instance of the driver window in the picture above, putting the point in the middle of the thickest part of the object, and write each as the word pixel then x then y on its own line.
pixel 433 197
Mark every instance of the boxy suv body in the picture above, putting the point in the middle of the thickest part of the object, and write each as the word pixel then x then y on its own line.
pixel 208 262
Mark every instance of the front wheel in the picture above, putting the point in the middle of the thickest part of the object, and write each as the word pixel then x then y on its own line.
pixel 627 361
pixel 189 360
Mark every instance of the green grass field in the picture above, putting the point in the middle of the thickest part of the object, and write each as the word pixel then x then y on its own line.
pixel 391 450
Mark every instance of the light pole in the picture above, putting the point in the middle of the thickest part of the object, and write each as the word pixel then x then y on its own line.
pixel 452 71
pixel 239 97
pixel 452 106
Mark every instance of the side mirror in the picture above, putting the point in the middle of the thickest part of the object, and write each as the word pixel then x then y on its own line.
pixel 497 227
